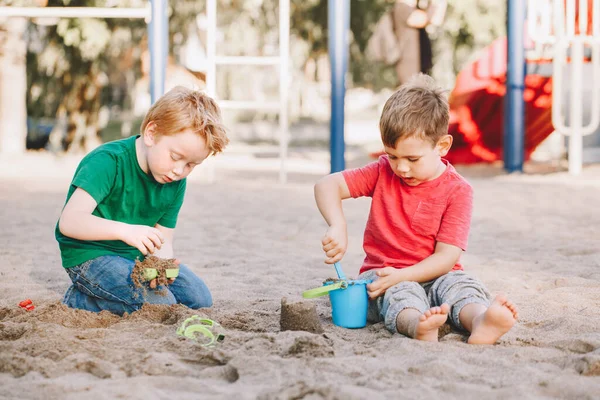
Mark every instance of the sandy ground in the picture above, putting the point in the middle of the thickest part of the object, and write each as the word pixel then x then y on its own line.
pixel 535 237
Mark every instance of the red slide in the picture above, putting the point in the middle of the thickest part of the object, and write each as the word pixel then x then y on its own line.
pixel 477 105
pixel 477 108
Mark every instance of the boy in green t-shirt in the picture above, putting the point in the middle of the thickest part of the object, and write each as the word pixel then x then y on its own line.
pixel 123 204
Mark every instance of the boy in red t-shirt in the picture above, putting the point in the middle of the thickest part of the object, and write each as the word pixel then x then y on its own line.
pixel 418 225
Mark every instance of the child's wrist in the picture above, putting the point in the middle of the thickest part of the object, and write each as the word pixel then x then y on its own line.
pixel 120 230
pixel 338 224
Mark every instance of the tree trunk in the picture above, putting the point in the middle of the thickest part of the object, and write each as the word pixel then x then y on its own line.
pixel 13 86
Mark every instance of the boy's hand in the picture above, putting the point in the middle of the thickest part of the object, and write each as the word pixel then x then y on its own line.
pixel 145 238
pixel 388 277
pixel 335 243
pixel 154 282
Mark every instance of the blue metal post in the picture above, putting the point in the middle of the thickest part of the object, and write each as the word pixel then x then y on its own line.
pixel 158 43
pixel 339 23
pixel 514 105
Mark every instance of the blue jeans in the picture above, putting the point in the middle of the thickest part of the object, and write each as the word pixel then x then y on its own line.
pixel 105 283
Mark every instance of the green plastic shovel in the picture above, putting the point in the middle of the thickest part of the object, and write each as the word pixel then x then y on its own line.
pixel 323 290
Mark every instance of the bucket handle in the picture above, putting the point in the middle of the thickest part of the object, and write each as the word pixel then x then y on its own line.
pixel 323 290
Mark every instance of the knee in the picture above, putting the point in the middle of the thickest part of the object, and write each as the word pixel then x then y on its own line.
pixel 191 291
pixel 405 291
pixel 405 286
pixel 198 298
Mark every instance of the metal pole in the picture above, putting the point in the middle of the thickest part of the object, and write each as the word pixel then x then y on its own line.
pixel 158 42
pixel 514 105
pixel 211 48
pixel 339 23
pixel 576 114
pixel 284 54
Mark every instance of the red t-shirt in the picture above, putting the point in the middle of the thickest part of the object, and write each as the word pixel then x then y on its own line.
pixel 405 222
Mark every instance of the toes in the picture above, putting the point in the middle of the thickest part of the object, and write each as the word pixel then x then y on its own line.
pixel 427 313
pixel 512 307
pixel 445 308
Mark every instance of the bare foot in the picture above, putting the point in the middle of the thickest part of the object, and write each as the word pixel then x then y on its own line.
pixel 429 323
pixel 500 316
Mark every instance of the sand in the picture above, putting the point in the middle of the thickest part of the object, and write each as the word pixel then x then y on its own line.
pixel 535 237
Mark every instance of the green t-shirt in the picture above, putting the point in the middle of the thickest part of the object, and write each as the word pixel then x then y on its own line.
pixel 112 175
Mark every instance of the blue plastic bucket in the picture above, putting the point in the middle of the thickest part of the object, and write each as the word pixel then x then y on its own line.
pixel 349 301
pixel 349 306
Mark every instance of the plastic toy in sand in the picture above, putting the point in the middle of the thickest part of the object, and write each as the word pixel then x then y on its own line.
pixel 161 269
pixel 27 304
pixel 206 332
pixel 349 299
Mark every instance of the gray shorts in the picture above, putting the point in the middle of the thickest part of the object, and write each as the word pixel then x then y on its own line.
pixel 456 288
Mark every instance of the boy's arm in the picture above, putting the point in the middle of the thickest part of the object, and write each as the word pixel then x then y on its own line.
pixel 329 193
pixel 442 261
pixel 78 222
pixel 166 251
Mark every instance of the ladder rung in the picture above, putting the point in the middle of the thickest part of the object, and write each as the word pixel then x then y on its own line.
pixel 249 105
pixel 75 12
pixel 247 60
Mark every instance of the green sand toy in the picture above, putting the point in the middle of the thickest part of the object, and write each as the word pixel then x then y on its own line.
pixel 152 273
pixel 203 330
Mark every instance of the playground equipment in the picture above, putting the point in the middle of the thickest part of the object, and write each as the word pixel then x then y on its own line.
pixel 155 14
pixel 282 61
pixel 570 28
pixel 338 18
pixel 504 93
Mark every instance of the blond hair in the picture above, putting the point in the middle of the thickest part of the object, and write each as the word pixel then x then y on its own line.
pixel 181 109
pixel 419 108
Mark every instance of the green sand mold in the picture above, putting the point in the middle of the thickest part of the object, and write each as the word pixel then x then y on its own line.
pixel 152 273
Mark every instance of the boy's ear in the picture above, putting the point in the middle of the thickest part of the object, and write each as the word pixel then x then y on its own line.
pixel 149 135
pixel 443 145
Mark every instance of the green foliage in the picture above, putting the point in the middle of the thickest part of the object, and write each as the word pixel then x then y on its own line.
pixel 69 60
pixel 74 62
pixel 469 26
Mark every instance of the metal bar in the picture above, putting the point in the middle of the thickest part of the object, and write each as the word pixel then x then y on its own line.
pixel 539 21
pixel 211 47
pixel 338 14
pixel 211 66
pixel 158 43
pixel 514 115
pixel 570 15
pixel 583 14
pixel 246 60
pixel 249 105
pixel 532 16
pixel 546 19
pixel 559 18
pixel 75 12
pixel 283 60
pixel 595 106
pixel 576 107
pixel 596 19
pixel 558 66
